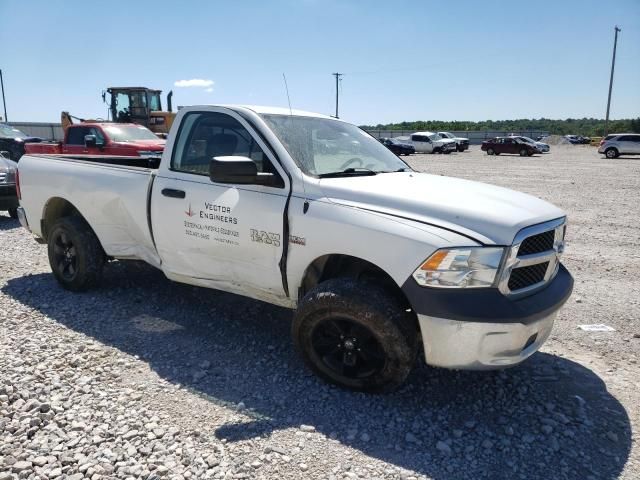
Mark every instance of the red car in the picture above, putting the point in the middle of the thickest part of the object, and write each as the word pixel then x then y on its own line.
pixel 89 138
pixel 499 145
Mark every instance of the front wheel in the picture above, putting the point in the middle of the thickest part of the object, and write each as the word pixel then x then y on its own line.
pixel 75 254
pixel 13 212
pixel 523 152
pixel 490 151
pixel 611 153
pixel 356 336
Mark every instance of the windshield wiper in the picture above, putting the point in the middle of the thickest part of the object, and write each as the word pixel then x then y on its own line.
pixel 349 172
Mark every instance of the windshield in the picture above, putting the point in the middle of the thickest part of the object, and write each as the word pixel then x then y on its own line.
pixel 9 132
pixel 435 137
pixel 526 139
pixel 321 146
pixel 445 135
pixel 130 133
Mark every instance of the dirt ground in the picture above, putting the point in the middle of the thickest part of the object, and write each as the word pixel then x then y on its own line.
pixel 144 378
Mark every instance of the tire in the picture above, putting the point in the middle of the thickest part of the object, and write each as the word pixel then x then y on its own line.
pixel 611 153
pixel 376 340
pixel 530 154
pixel 490 151
pixel 459 148
pixel 523 152
pixel 436 150
pixel 75 254
pixel 446 152
pixel 13 212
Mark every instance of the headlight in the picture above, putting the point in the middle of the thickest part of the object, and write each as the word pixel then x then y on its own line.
pixel 467 267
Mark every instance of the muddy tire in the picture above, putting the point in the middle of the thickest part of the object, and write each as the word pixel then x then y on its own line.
pixel 355 335
pixel 75 254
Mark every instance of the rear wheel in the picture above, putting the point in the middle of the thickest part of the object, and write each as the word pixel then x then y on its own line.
pixel 356 336
pixel 490 151
pixel 611 153
pixel 523 152
pixel 75 254
pixel 13 212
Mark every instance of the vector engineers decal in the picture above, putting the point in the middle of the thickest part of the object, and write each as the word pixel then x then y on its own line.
pixel 213 222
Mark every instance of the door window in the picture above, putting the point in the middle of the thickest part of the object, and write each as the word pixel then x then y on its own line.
pixel 206 135
pixel 75 136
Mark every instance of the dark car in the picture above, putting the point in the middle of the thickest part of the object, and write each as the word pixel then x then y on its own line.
pixel 578 139
pixel 12 140
pixel 8 195
pixel 498 145
pixel 398 147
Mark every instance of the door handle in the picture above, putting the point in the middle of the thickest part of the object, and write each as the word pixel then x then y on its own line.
pixel 173 193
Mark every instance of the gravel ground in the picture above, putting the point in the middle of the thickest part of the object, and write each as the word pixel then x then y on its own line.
pixel 145 378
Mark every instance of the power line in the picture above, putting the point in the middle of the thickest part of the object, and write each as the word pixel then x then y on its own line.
pixel 4 102
pixel 337 75
pixel 613 65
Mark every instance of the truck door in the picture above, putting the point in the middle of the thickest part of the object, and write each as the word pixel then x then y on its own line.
pixel 230 235
pixel 75 140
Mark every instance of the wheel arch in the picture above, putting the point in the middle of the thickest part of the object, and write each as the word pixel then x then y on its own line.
pixel 337 265
pixel 56 208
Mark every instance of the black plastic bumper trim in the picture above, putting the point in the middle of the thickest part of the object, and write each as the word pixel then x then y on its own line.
pixel 488 305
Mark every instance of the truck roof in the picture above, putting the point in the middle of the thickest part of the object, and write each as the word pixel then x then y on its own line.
pixel 105 124
pixel 265 110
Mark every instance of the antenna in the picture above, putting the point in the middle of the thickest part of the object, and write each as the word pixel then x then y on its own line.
pixel 286 87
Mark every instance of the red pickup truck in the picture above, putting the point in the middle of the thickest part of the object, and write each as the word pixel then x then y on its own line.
pixel 121 139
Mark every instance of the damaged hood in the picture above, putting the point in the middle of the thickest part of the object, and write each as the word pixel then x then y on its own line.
pixel 487 213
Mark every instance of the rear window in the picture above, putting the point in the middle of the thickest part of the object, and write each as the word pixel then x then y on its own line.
pixel 609 137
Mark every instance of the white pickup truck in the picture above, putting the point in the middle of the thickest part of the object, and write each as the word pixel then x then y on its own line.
pixel 380 262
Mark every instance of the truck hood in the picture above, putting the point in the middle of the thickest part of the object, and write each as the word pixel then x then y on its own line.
pixel 486 213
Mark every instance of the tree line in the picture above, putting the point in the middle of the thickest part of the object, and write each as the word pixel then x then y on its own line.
pixel 571 126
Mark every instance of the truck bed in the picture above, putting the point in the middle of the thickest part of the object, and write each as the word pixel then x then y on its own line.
pixel 112 194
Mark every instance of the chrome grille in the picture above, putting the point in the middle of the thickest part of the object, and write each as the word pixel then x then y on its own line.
pixel 3 177
pixel 526 276
pixel 537 243
pixel 533 259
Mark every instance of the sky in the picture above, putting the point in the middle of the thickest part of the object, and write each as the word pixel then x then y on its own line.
pixel 402 60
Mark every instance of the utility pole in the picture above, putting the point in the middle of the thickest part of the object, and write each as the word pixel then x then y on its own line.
pixel 613 65
pixel 337 75
pixel 4 102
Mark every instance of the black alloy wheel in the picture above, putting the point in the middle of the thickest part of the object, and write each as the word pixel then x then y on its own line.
pixel 347 348
pixel 65 256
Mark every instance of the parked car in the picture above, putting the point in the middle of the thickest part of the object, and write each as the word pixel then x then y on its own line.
pixel 462 143
pixel 430 142
pixel 13 141
pixel 498 145
pixel 244 202
pixel 398 147
pixel 543 147
pixel 618 144
pixel 125 139
pixel 8 194
pixel 578 139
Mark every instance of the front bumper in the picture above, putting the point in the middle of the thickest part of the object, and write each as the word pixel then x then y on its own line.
pixel 8 197
pixel 481 346
pixel 482 329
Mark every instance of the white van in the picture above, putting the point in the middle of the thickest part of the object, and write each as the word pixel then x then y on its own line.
pixel 430 142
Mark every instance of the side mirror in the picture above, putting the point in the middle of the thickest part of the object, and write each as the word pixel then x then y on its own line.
pixel 240 170
pixel 90 141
